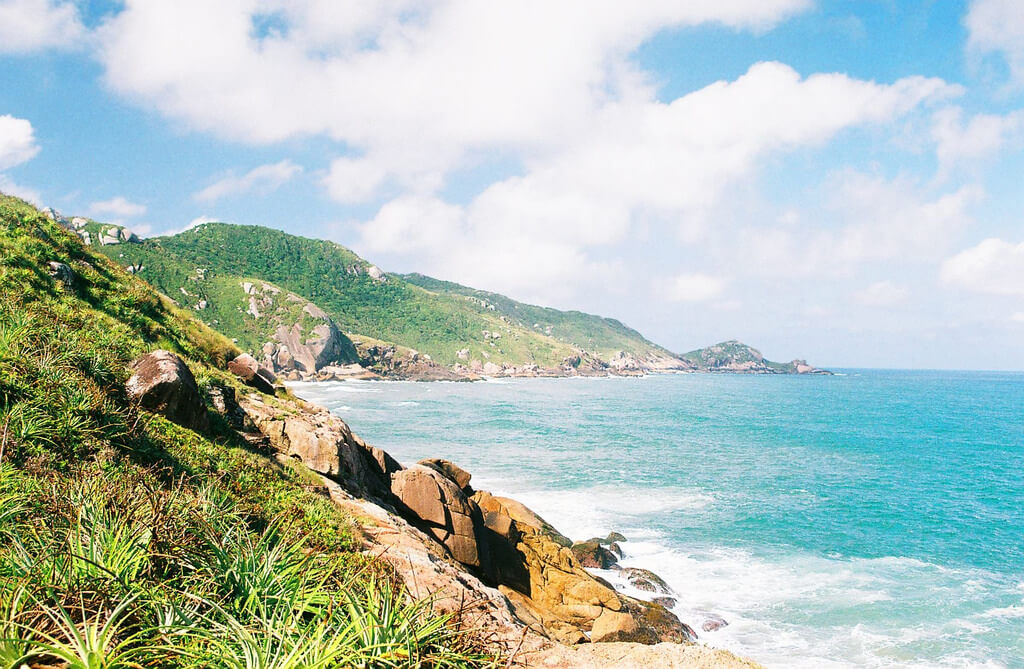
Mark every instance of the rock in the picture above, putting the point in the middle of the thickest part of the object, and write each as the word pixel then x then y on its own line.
pixel 126 235
pixel 162 382
pixel 613 537
pixel 62 273
pixel 246 368
pixel 462 354
pixel 376 274
pixel 222 398
pixel 324 444
pixel 310 351
pixel 491 369
pixel 429 496
pixel 713 622
pixel 667 602
pixel 450 470
pixel 645 580
pixel 613 626
pixel 592 554
pixel 656 624
pixel 77 222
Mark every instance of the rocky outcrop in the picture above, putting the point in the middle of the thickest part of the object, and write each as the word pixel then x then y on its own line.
pixel 591 553
pixel 444 511
pixel 323 443
pixel 62 273
pixel 163 383
pixel 399 363
pixel 643 579
pixel 306 349
pixel 246 368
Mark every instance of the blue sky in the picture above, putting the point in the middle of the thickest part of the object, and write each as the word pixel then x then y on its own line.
pixel 839 181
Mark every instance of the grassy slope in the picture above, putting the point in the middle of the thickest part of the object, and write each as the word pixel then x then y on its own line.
pixel 166 546
pixel 394 310
pixel 603 336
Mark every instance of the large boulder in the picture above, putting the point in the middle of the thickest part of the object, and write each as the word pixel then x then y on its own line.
pixel 162 382
pixel 324 444
pixel 451 471
pixel 443 509
pixel 592 554
pixel 246 368
pixel 312 350
pixel 62 273
pixel 646 580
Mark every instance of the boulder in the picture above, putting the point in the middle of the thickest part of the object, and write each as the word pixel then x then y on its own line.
pixel 613 626
pixel 614 538
pixel 667 602
pixel 712 622
pixel 450 470
pixel 592 554
pixel 246 368
pixel 162 382
pixel 62 273
pixel 430 497
pixel 324 444
pixel 643 579
pixel 655 624
pixel 222 398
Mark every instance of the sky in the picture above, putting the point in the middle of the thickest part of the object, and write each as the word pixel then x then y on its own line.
pixel 823 179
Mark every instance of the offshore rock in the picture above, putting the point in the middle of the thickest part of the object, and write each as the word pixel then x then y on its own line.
pixel 163 383
pixel 648 581
pixel 592 554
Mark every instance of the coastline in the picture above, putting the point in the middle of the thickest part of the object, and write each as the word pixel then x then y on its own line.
pixel 701 652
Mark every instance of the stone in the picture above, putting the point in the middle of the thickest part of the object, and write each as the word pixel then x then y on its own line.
pixel 667 602
pixel 450 470
pixel 613 626
pixel 430 497
pixel 163 383
pixel 246 368
pixel 376 274
pixel 643 579
pixel 324 444
pixel 614 537
pixel 491 369
pixel 222 398
pixel 592 554
pixel 713 621
pixel 62 273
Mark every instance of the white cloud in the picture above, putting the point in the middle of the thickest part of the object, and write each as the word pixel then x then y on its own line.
pixel 118 207
pixel 994 266
pixel 1017 317
pixel 646 162
pixel 30 25
pixel 17 141
pixel 883 294
pixel 866 218
pixel 265 177
pixel 981 136
pixel 998 26
pixel 694 288
pixel 28 194
pixel 406 85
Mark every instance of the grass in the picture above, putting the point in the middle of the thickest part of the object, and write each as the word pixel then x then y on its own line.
pixel 127 541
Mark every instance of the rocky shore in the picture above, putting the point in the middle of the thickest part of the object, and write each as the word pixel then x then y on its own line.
pixel 490 560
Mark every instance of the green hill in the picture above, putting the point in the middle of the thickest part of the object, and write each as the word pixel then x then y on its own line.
pixel 127 540
pixel 450 323
pixel 735 356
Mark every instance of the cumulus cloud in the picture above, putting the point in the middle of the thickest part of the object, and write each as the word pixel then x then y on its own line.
pixel 694 288
pixel 994 266
pixel 17 190
pixel 980 136
pixel 31 25
pixel 883 294
pixel 1017 317
pixel 641 160
pixel 265 178
pixel 117 207
pixel 869 219
pixel 405 84
pixel 17 141
pixel 998 26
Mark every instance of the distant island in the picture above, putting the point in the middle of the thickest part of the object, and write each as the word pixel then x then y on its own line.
pixel 311 309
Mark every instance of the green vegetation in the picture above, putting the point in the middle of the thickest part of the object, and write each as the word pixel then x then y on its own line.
pixel 127 541
pixel 734 352
pixel 429 316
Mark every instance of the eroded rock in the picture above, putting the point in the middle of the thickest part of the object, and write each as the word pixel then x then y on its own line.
pixel 163 383
pixel 592 554
pixel 246 368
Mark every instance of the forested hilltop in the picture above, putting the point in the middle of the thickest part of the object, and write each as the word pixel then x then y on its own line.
pixel 310 308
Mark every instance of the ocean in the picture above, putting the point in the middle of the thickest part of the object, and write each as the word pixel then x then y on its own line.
pixel 869 519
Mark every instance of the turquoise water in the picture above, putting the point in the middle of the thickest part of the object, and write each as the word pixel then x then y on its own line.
pixel 869 519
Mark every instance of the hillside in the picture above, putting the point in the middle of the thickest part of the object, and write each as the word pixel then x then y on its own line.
pixel 162 504
pixel 489 334
pixel 736 357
